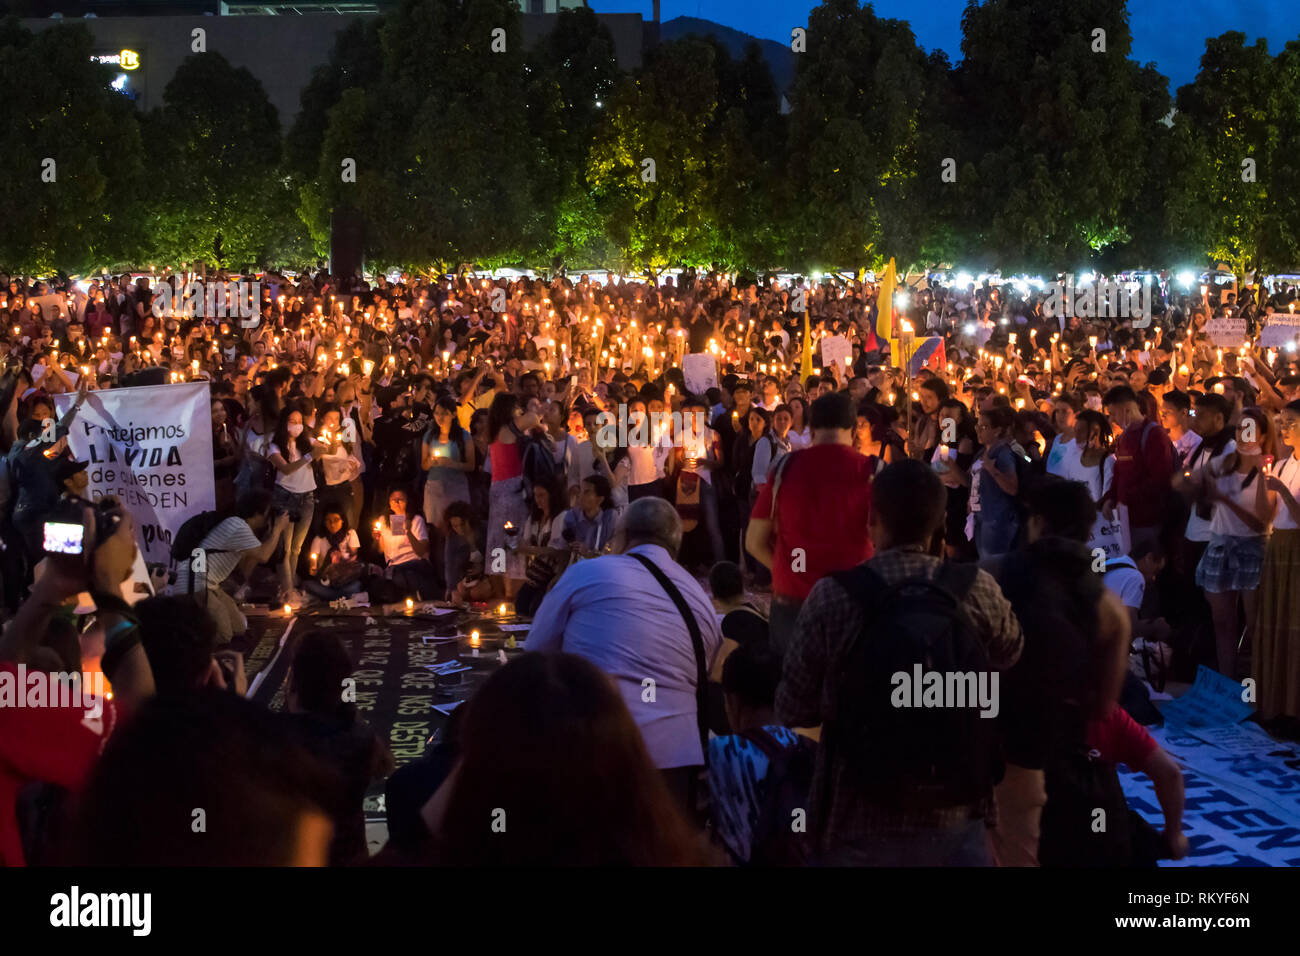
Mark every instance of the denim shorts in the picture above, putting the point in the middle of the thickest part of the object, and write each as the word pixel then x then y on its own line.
pixel 291 503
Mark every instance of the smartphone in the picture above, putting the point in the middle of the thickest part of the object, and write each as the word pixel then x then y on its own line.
pixel 64 538
pixel 398 524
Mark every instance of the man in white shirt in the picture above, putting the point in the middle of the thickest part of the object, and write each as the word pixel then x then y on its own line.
pixel 614 612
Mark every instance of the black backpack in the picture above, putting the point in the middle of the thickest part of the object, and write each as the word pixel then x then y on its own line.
pixel 537 461
pixel 774 841
pixel 910 757
pixel 1086 821
pixel 192 532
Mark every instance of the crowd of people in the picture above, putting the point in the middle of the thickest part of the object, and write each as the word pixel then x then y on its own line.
pixel 1073 510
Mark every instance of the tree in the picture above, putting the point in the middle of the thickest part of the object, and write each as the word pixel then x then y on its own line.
pixel 855 137
pixel 571 75
pixel 223 197
pixel 442 152
pixel 663 115
pixel 1243 110
pixel 1058 130
pixel 59 106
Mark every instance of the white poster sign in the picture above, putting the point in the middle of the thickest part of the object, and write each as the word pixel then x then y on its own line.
pixel 836 351
pixel 151 448
pixel 1281 330
pixel 700 371
pixel 1227 333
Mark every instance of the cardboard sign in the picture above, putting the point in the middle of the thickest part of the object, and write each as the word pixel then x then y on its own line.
pixel 1227 333
pixel 1112 536
pixel 1282 329
pixel 836 350
pixel 701 372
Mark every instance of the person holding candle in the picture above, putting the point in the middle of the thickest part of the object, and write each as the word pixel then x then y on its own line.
pixel 334 565
pixel 290 454
pixel 448 457
pixel 507 425
pixel 404 540
pixel 1275 655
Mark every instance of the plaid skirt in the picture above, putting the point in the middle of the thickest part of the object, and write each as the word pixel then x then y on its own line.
pixel 1231 563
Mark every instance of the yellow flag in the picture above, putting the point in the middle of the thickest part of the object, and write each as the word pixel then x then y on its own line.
pixel 885 304
pixel 806 365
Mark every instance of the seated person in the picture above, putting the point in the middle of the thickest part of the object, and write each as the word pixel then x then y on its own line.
pixel 465 541
pixel 334 561
pixel 589 526
pixel 233 543
pixel 474 585
pixel 404 540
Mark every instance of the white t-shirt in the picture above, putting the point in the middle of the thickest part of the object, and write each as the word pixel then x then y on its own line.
pixel 1125 581
pixel 1097 478
pixel 1060 455
pixel 799 440
pixel 1225 520
pixel 299 482
pixel 397 549
pixel 1198 528
pixel 225 546
pixel 1288 472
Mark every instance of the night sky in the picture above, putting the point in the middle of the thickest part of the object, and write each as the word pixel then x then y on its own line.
pixel 1170 33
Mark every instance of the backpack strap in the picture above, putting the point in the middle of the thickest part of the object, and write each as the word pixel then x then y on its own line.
pixel 697 644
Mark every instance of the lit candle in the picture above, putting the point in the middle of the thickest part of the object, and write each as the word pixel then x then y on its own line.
pixel 410 605
pixel 287 610
pixel 473 639
pixel 501 609
pixel 315 558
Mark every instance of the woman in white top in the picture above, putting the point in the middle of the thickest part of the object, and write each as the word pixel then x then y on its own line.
pixel 1230 567
pixel 1275 655
pixel 1091 460
pixel 294 494
pixel 800 434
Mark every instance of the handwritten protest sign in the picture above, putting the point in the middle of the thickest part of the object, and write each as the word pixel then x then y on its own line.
pixel 1280 331
pixel 1227 333
pixel 1112 536
pixel 701 372
pixel 1213 701
pixel 836 351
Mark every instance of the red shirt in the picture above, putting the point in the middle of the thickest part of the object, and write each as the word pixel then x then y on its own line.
pixel 507 463
pixel 1143 470
pixel 1121 739
pixel 57 745
pixel 822 507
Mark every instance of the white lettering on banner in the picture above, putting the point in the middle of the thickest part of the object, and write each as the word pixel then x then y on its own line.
pixel 151 448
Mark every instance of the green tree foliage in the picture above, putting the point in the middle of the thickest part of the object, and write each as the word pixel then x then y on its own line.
pixel 664 115
pixel 57 104
pixel 215 145
pixel 1058 132
pixel 1245 105
pixel 444 156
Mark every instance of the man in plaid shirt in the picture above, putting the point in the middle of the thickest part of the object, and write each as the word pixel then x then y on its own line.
pixel 909 511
